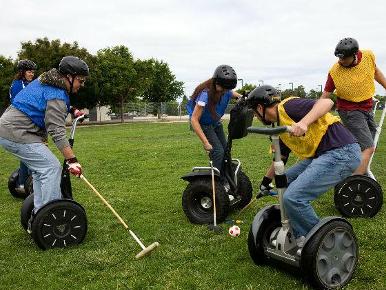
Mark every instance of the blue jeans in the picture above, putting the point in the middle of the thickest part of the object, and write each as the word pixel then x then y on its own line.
pixel 309 178
pixel 216 137
pixel 23 174
pixel 45 167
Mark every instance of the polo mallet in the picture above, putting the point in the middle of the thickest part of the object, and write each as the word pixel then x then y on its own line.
pixel 145 250
pixel 214 227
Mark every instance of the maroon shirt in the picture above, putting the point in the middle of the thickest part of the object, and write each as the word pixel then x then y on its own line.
pixel 345 105
pixel 336 136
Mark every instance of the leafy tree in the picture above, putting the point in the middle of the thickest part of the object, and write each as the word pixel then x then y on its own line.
pixel 161 85
pixel 7 71
pixel 312 94
pixel 116 76
pixel 48 54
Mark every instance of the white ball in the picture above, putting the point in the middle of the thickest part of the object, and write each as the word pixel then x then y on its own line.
pixel 234 231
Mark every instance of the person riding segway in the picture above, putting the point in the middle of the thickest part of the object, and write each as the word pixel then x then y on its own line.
pixel 38 110
pixel 325 250
pixel 352 79
pixel 233 188
pixel 18 182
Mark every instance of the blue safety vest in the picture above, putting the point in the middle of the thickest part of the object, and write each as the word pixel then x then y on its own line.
pixel 32 100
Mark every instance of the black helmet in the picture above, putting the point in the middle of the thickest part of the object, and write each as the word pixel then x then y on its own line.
pixel 225 76
pixel 346 47
pixel 26 64
pixel 265 95
pixel 73 65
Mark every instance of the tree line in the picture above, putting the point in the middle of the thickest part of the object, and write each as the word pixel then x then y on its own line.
pixel 116 77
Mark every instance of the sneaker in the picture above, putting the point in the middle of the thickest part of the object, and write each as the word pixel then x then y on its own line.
pixel 29 224
pixel 20 189
pixel 300 241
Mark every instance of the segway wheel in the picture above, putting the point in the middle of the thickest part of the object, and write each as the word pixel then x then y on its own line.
pixel 59 224
pixel 244 189
pixel 197 201
pixel 358 196
pixel 28 186
pixel 330 257
pixel 12 181
pixel 260 240
pixel 26 210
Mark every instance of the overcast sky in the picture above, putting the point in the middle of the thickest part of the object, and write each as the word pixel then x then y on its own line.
pixel 277 42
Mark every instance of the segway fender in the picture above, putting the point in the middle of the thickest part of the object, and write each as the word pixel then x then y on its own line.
pixel 199 174
pixel 321 223
pixel 58 201
pixel 262 215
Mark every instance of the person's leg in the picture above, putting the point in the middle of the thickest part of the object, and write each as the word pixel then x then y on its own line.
pixel 217 154
pixel 45 167
pixel 362 126
pixel 23 174
pixel 320 175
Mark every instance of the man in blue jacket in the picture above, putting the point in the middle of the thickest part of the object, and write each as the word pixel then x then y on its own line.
pixel 38 110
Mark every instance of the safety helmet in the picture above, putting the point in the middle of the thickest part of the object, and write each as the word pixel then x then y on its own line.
pixel 346 47
pixel 26 64
pixel 73 65
pixel 265 95
pixel 225 76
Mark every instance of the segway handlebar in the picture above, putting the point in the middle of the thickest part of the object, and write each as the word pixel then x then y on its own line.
pixel 75 122
pixel 269 131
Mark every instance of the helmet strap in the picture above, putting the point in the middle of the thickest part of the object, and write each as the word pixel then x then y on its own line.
pixel 71 83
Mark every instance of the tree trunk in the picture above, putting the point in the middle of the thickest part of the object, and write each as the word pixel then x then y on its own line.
pixel 159 110
pixel 122 110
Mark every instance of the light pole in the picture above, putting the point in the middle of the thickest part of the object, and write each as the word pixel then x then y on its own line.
pixel 242 82
pixel 292 86
pixel 321 88
pixel 262 83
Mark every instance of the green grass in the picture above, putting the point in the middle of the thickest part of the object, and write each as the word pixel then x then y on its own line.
pixel 137 168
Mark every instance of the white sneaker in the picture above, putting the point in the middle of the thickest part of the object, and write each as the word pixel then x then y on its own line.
pixel 300 241
pixel 20 189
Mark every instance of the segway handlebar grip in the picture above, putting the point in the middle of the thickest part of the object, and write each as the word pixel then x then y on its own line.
pixel 269 131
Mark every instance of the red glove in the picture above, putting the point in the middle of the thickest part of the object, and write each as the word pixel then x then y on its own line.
pixel 74 167
pixel 76 112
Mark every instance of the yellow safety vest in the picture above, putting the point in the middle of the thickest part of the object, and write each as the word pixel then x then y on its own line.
pixel 304 146
pixel 355 84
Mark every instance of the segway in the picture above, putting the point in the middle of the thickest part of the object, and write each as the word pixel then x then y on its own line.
pixel 360 195
pixel 233 191
pixel 61 222
pixel 329 255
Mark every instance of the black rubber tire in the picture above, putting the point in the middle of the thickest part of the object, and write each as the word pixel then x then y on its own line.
pixel 12 181
pixel 244 189
pixel 196 193
pixel 59 224
pixel 256 247
pixel 26 210
pixel 358 196
pixel 324 241
pixel 28 185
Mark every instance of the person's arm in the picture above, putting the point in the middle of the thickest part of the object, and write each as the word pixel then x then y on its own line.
pixel 55 120
pixel 195 121
pixel 329 87
pixel 380 78
pixel 325 95
pixel 320 108
pixel 236 95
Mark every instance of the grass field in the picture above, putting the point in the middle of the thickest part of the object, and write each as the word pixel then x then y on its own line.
pixel 137 167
